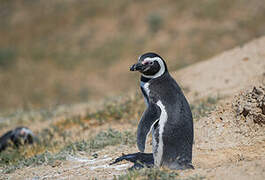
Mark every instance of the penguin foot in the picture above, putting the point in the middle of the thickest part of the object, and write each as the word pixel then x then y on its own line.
pixel 179 166
pixel 139 159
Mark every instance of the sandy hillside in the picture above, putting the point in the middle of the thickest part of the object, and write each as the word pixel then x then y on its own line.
pixel 229 140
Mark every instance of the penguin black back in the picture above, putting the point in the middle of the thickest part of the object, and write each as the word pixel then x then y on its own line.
pixel 168 116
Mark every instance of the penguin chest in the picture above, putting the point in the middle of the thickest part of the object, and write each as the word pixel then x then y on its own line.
pixel 146 91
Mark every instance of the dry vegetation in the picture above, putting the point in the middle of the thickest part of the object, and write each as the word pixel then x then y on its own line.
pixel 64 74
pixel 79 141
pixel 59 52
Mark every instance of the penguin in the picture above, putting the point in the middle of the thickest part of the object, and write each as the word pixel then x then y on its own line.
pixel 167 116
pixel 18 136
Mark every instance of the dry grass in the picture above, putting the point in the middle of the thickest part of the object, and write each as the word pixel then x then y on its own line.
pixel 160 174
pixel 60 137
pixel 227 142
pixel 59 52
pixel 47 151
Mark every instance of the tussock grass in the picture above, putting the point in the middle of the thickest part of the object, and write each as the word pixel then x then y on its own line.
pixel 203 107
pixel 55 143
pixel 57 140
pixel 101 140
pixel 46 151
pixel 119 109
pixel 154 173
pixel 127 108
pixel 124 109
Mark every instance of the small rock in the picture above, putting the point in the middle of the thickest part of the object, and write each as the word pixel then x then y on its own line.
pixel 56 163
pixel 262 107
pixel 259 119
pixel 257 91
pixel 95 155
pixel 245 111
pixel 245 59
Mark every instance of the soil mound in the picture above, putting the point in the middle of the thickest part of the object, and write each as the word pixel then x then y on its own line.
pixel 250 106
pixel 236 121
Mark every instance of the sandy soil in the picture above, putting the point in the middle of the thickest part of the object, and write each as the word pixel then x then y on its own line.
pixel 229 142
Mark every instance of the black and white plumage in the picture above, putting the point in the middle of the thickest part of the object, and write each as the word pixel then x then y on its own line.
pixel 18 136
pixel 168 117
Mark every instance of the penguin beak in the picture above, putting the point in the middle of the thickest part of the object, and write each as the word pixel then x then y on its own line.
pixel 137 67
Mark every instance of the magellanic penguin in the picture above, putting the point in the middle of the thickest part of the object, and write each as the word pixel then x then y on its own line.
pixel 168 117
pixel 18 137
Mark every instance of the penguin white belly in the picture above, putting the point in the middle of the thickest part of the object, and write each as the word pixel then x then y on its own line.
pixel 158 153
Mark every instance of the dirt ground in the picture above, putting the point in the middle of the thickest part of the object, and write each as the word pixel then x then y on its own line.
pixel 229 141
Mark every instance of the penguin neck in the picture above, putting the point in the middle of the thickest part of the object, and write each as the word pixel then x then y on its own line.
pixel 145 79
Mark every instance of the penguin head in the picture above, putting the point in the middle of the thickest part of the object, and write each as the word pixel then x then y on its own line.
pixel 151 65
pixel 23 135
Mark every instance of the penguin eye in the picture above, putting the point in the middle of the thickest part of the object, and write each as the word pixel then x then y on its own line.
pixel 151 62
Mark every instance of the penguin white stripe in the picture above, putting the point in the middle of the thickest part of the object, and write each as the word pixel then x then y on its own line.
pixel 162 67
pixel 146 88
pixel 139 58
pixel 162 122
pixel 27 131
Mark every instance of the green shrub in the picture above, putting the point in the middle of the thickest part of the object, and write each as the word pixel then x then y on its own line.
pixel 155 22
pixel 7 58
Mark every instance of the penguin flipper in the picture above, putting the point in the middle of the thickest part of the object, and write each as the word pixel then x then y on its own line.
pixel 139 159
pixel 149 118
pixel 4 140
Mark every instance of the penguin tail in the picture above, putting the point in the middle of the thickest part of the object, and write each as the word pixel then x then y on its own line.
pixel 139 159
